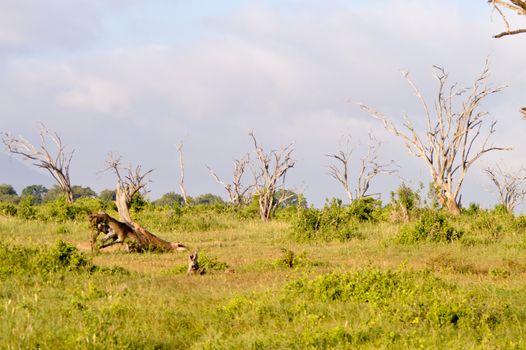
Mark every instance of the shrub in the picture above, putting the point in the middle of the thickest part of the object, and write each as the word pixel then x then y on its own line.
pixel 291 260
pixel 432 226
pixel 61 257
pixel 26 210
pixel 412 297
pixel 365 209
pixel 404 203
pixel 8 209
pixel 333 222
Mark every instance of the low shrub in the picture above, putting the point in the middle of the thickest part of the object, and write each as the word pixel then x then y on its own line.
pixel 291 260
pixel 42 261
pixel 8 209
pixel 432 226
pixel 411 296
pixel 332 222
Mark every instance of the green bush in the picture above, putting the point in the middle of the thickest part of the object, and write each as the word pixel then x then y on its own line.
pixel 291 260
pixel 432 226
pixel 26 210
pixel 61 257
pixel 8 209
pixel 332 222
pixel 365 209
pixel 412 297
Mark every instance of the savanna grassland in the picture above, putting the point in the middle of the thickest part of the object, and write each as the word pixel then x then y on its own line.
pixel 334 278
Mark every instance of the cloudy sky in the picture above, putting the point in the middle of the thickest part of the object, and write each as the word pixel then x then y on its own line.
pixel 137 77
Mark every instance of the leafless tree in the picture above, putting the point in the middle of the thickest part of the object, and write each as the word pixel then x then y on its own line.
pixel 510 186
pixel 517 6
pixel 42 157
pixel 452 141
pixel 370 167
pixel 130 181
pixel 181 167
pixel 235 190
pixel 270 173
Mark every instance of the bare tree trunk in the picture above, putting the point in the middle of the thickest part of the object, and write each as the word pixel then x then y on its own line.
pixel 181 180
pixel 123 205
pixel 452 206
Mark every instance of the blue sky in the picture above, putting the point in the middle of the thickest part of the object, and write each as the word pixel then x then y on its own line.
pixel 137 77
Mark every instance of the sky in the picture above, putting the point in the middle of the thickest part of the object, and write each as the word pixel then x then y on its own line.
pixel 137 77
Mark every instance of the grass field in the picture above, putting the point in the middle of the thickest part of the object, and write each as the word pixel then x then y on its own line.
pixel 262 290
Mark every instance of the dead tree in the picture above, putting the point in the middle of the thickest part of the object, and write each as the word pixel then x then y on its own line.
pixel 130 183
pixel 269 176
pixel 450 144
pixel 181 166
pixel 370 167
pixel 57 165
pixel 133 236
pixel 517 6
pixel 235 190
pixel 511 187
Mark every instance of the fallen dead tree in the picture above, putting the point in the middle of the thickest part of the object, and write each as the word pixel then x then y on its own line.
pixel 134 237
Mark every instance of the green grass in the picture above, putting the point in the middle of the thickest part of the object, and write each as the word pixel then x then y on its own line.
pixel 263 289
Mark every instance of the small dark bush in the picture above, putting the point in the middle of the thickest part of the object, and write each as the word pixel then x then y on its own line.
pixel 8 209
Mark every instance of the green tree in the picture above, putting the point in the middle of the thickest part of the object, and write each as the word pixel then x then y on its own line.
pixel 288 198
pixel 107 196
pixel 82 192
pixel 36 191
pixel 8 194
pixel 52 194
pixel 170 199
pixel 208 199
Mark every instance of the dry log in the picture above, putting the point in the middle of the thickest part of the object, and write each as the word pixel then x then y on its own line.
pixel 132 235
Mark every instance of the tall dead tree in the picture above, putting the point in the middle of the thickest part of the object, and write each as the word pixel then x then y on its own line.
pixel 130 181
pixel 451 142
pixel 181 167
pixel 503 6
pixel 370 167
pixel 270 172
pixel 235 190
pixel 57 164
pixel 511 187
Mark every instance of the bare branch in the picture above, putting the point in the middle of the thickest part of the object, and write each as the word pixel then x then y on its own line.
pixel 57 166
pixel 517 6
pixel 369 168
pixel 270 172
pixel 455 136
pixel 132 182
pixel 511 187
pixel 235 190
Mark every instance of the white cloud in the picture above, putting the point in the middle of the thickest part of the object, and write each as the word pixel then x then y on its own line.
pixel 287 74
